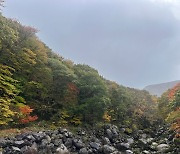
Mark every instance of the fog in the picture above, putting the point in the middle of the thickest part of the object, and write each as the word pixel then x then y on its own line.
pixel 133 42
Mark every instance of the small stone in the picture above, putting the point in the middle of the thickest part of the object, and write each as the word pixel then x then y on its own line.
pixel 16 149
pixel 44 142
pixel 146 152
pixel 78 144
pixel 19 143
pixel 106 140
pixel 122 130
pixel 149 140
pixel 142 142
pixel 109 133
pixel 64 130
pixel 108 149
pixel 123 146
pixel 83 133
pixel 68 143
pixel 66 134
pixel 130 140
pixel 83 151
pixel 144 136
pixel 95 145
pixel 48 138
pixel 129 152
pixel 30 137
pixel 29 150
pixel 154 145
pixel 58 142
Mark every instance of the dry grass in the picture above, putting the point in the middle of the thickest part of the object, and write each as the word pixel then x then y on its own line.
pixel 15 131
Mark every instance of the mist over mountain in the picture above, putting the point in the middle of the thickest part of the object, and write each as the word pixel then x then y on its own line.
pixel 159 89
pixel 136 37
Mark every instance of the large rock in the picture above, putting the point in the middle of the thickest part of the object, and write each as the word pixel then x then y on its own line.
pixel 105 140
pixel 129 152
pixel 95 145
pixel 122 146
pixel 130 140
pixel 19 144
pixel 83 151
pixel 62 150
pixel 78 143
pixel 30 150
pixel 69 143
pixel 154 145
pixel 16 149
pixel 57 142
pixel 142 143
pixel 108 149
pixel 39 136
pixel 146 152
pixel 163 147
pixel 109 134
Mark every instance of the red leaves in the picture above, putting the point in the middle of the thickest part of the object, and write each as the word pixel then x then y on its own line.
pixel 29 119
pixel 26 117
pixel 25 110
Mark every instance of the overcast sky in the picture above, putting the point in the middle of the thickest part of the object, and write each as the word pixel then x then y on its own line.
pixel 133 42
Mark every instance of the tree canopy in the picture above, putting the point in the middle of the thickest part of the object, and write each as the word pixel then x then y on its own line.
pixel 56 89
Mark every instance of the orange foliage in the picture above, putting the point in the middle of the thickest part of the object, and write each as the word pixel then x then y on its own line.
pixel 29 119
pixel 26 111
pixel 172 92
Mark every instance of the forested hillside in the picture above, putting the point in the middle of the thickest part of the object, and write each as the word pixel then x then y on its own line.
pixel 169 107
pixel 39 88
pixel 38 84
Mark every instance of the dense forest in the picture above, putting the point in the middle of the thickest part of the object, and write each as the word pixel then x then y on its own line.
pixel 36 85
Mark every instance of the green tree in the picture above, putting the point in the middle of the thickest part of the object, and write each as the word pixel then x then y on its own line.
pixel 93 98
pixel 8 95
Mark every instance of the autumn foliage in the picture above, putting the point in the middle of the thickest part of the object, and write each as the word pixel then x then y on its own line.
pixel 26 117
pixel 173 91
pixel 174 104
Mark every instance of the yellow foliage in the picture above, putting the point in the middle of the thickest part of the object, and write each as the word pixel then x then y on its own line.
pixel 173 116
pixel 106 117
pixel 75 121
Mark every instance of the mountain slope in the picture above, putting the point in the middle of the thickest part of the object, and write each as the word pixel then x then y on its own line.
pixel 59 91
pixel 159 89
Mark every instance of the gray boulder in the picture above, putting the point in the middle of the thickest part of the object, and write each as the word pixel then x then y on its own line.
pixel 62 150
pixel 78 144
pixel 122 146
pixel 163 147
pixel 83 151
pixel 108 149
pixel 129 152
pixel 95 145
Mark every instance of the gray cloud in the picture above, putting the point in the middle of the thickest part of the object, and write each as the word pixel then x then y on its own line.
pixel 134 42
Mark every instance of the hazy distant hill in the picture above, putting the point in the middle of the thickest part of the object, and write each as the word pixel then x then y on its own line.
pixel 159 89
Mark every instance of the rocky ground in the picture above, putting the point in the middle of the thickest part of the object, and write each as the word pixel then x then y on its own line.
pixel 106 140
